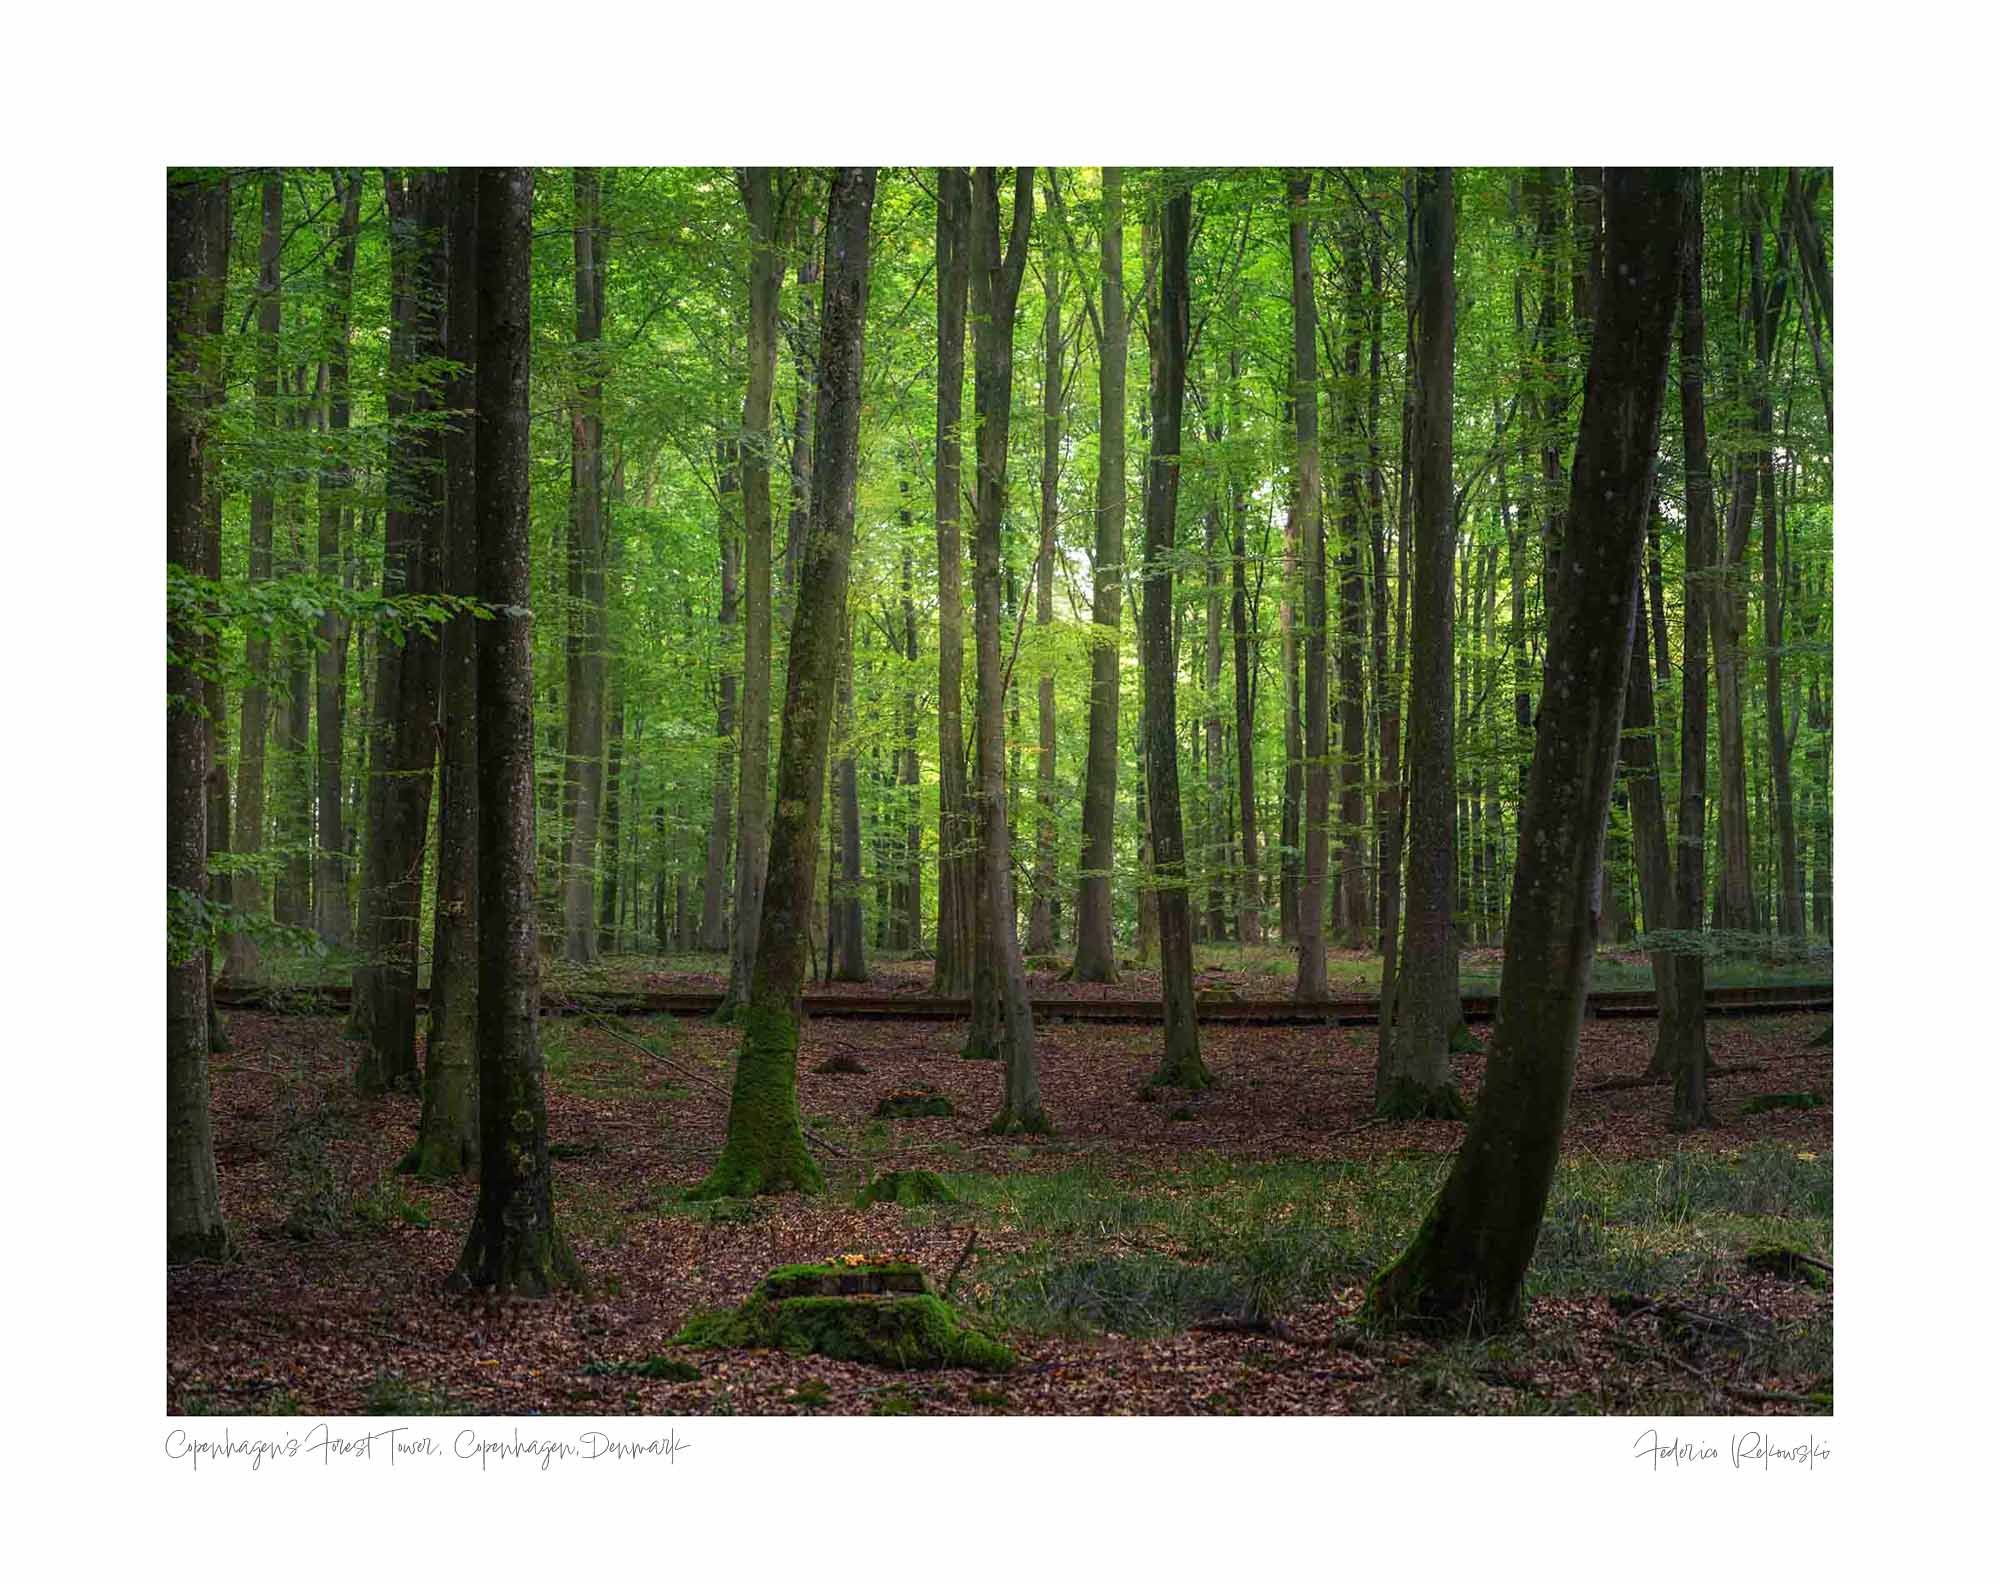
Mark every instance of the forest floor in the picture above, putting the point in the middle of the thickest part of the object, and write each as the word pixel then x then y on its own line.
pixel 1113 1256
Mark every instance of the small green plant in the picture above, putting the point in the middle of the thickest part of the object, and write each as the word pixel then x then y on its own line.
pixel 893 1404
pixel 812 1393
pixel 388 1203
pixel 392 1394
pixel 653 1368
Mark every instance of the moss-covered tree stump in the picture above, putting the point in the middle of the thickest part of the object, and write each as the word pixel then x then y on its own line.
pixel 905 1103
pixel 884 1314
pixel 908 1188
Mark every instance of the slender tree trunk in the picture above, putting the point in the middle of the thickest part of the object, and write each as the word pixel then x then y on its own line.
pixel 767 273
pixel 583 703
pixel 401 772
pixel 514 1247
pixel 1181 1064
pixel 765 1150
pixel 956 939
pixel 1041 909
pixel 996 285
pixel 913 825
pixel 332 917
pixel 1249 904
pixel 448 1129
pixel 197 270
pixel 1638 757
pixel 1096 959
pixel 1310 534
pixel 292 770
pixel 244 961
pixel 1464 1269
pixel 1415 1077
pixel 715 875
pixel 846 959
pixel 1683 1036
pixel 1354 908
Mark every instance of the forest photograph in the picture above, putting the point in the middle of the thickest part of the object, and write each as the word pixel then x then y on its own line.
pixel 1040 790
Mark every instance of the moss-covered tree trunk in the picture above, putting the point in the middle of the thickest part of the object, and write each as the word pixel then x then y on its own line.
pixel 1181 1064
pixel 765 1150
pixel 1465 1267
pixel 996 287
pixel 196 269
pixel 448 1129
pixel 1096 960
pixel 1414 1076
pixel 515 1246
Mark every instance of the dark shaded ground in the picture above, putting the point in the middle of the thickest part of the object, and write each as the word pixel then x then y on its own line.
pixel 336 1303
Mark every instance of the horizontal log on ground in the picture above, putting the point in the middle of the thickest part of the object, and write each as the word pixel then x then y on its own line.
pixel 1756 1000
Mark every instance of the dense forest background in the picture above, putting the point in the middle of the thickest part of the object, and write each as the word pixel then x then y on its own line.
pixel 660 620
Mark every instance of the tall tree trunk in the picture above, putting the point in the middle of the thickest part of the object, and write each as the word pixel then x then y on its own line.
pixel 800 333
pixel 765 1151
pixel 400 774
pixel 243 959
pixel 1354 908
pixel 1464 1269
pixel 1249 905
pixel 996 286
pixel 1638 757
pixel 514 1247
pixel 1414 1079
pixel 583 702
pixel 292 770
pixel 767 274
pixel 1683 1036
pixel 1167 333
pixel 1310 534
pixel 332 917
pixel 913 826
pixel 1096 957
pixel 956 941
pixel 1041 908
pixel 448 1128
pixel 197 269
pixel 715 874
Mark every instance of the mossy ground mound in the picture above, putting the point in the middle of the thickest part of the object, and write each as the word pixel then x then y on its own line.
pixel 1787 1263
pixel 908 1188
pixel 882 1314
pixel 1757 1104
pixel 908 1102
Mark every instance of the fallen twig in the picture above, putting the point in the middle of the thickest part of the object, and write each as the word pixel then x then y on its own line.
pixel 952 1279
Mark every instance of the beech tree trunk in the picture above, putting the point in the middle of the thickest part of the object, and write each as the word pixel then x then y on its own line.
pixel 715 873
pixel 583 703
pixel 845 945
pixel 956 943
pixel 332 917
pixel 1463 1271
pixel 515 1247
pixel 448 1128
pixel 765 1150
pixel 996 286
pixel 1414 1077
pixel 243 960
pixel 1041 907
pixel 1181 1065
pixel 1310 533
pixel 1096 959
pixel 1354 901
pixel 767 274
pixel 1249 893
pixel 407 690
pixel 197 269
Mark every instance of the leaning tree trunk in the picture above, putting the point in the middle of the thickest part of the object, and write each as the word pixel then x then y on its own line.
pixel 765 1150
pixel 401 769
pixel 332 917
pixel 1414 1078
pixel 1096 959
pixel 996 285
pixel 1463 1271
pixel 583 702
pixel 514 1246
pixel 1181 1065
pixel 448 1127
pixel 767 275
pixel 1310 531
pixel 197 267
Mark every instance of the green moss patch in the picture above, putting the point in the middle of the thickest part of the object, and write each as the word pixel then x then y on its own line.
pixel 882 1314
pixel 908 1188
pixel 1787 1263
pixel 905 1103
